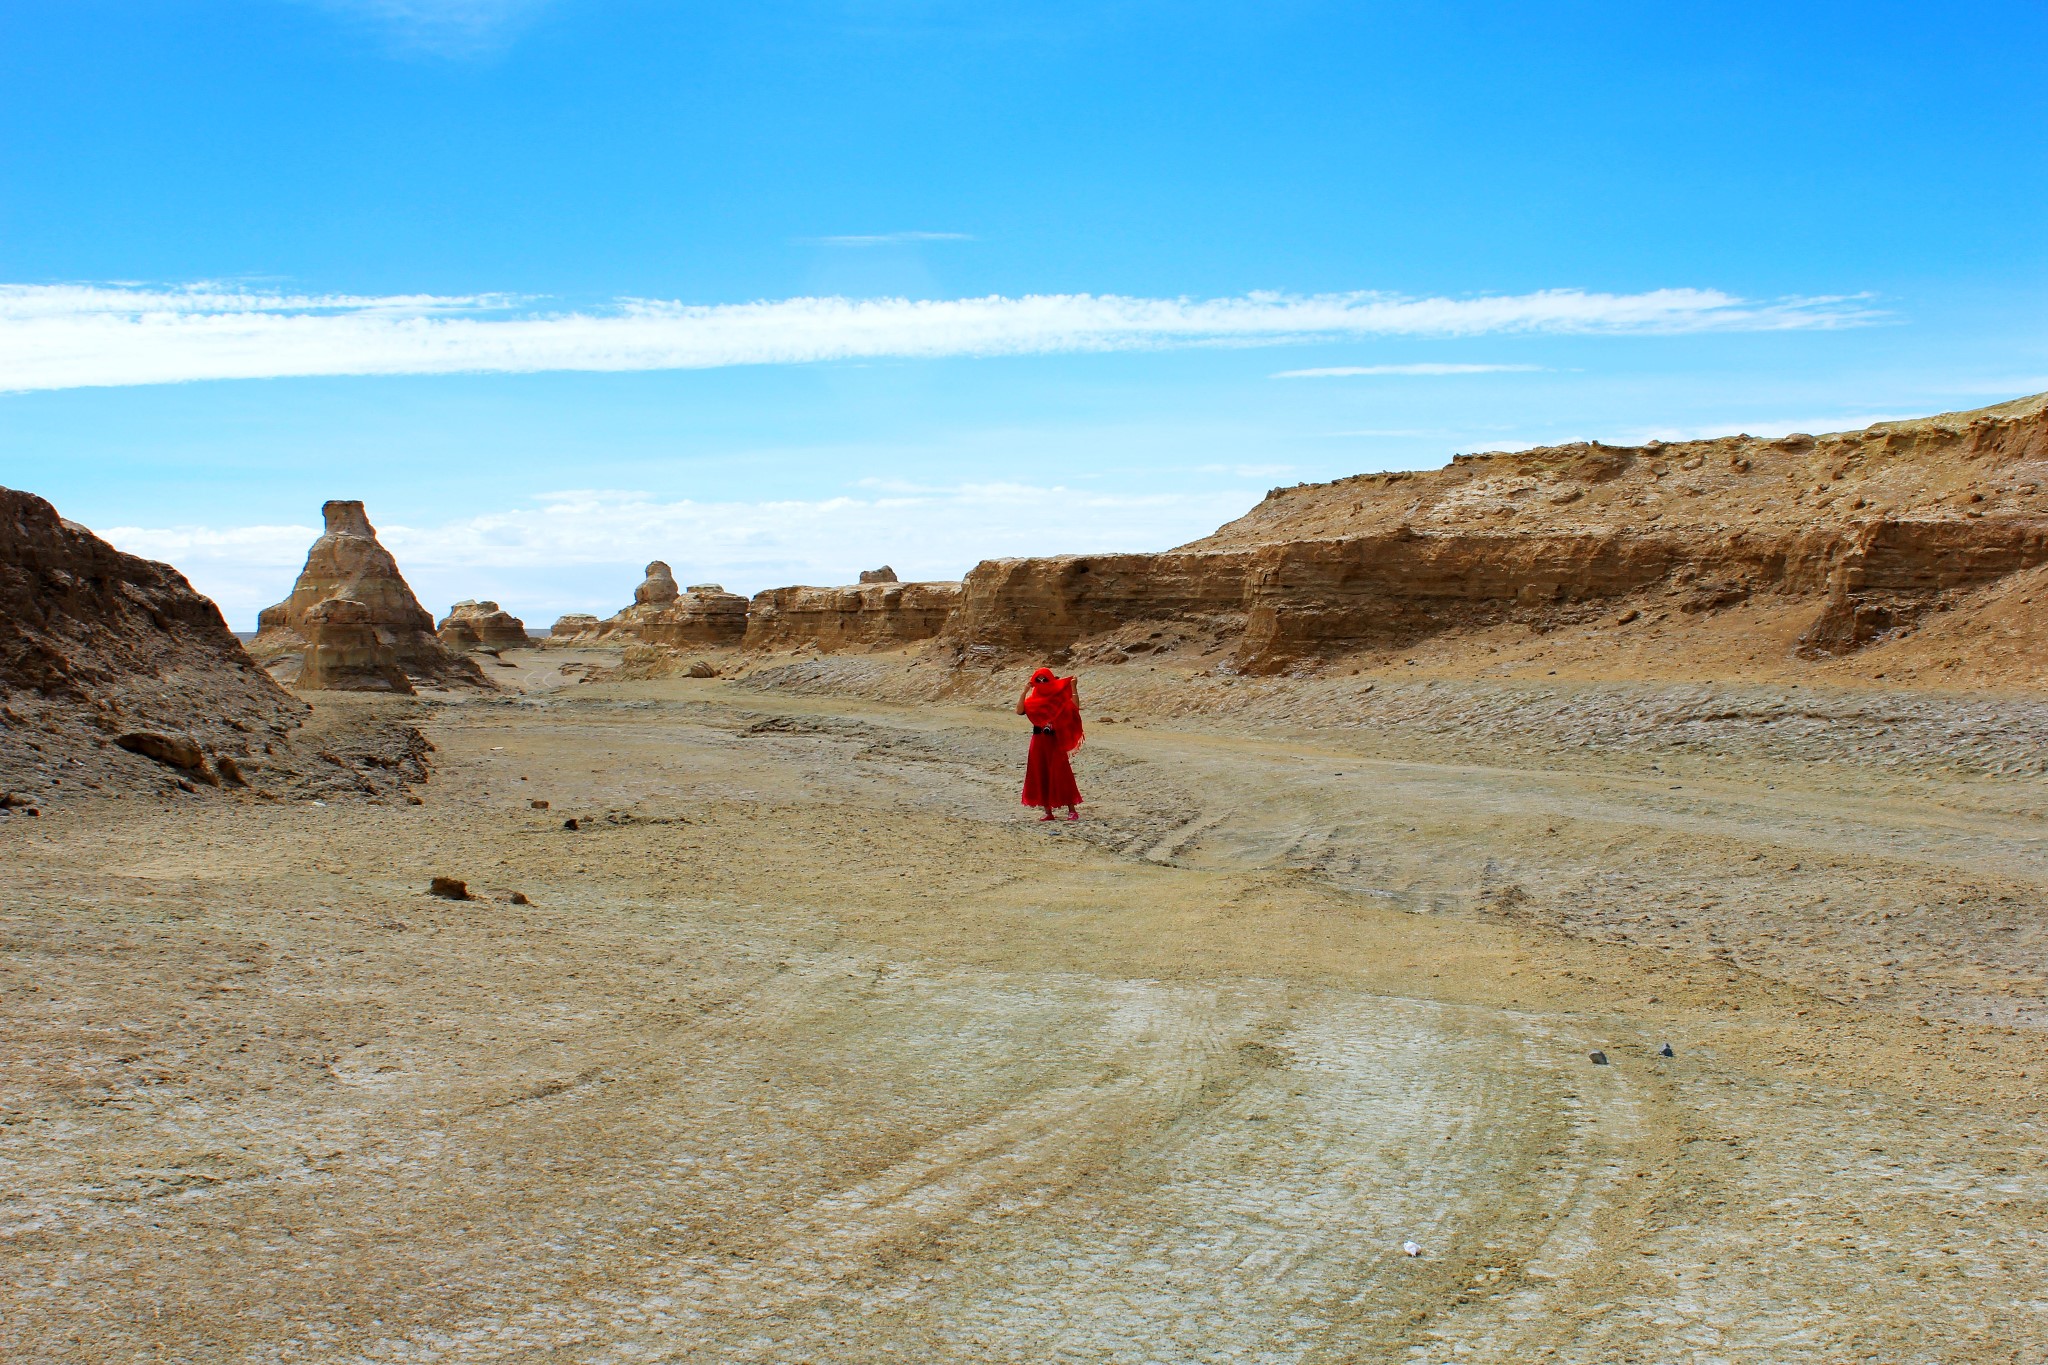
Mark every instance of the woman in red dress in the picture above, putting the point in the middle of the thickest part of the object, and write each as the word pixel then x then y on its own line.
pixel 1054 707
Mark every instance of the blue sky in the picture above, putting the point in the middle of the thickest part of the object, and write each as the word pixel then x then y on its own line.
pixel 778 291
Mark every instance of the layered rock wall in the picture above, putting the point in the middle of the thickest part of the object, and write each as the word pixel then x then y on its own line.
pixel 874 615
pixel 1875 527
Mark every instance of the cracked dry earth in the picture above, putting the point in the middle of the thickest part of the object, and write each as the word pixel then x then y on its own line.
pixel 812 1046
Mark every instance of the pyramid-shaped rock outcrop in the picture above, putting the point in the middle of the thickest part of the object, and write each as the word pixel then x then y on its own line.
pixel 355 620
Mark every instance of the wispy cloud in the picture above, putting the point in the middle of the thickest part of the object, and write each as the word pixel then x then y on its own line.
pixel 71 336
pixel 583 550
pixel 443 28
pixel 894 238
pixel 1346 371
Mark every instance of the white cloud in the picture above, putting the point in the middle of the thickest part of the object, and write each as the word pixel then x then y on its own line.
pixel 894 238
pixel 583 550
pixel 1347 371
pixel 443 28
pixel 80 335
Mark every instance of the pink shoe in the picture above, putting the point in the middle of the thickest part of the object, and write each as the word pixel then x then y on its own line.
pixel 1071 814
pixel 1045 817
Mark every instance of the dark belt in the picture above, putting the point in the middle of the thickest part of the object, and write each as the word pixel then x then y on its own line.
pixel 1042 730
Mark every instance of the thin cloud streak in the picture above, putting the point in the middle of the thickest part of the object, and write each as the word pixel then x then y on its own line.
pixel 1427 368
pixel 88 335
pixel 894 238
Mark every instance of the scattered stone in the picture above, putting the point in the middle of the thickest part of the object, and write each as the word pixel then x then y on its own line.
pixel 1665 1051
pixel 449 888
pixel 174 751
pixel 1412 1248
pixel 518 898
pixel 1598 1058
pixel 701 669
pixel 538 805
pixel 571 824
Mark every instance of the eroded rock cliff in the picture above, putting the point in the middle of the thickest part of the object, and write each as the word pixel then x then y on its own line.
pixel 1875 529
pixel 663 614
pixel 872 615
pixel 356 647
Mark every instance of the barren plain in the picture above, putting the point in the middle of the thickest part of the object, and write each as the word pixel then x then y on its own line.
pixel 811 1045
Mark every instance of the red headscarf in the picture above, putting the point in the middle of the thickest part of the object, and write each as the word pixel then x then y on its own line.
pixel 1050 702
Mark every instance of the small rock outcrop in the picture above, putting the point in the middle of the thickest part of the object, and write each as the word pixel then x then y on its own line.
pixel 867 616
pixel 885 574
pixel 482 625
pixel 663 614
pixel 354 619
pixel 658 589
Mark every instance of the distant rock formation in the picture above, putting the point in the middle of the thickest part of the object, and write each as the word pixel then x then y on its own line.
pixel 1875 528
pixel 663 614
pixel 659 588
pixel 870 616
pixel 482 625
pixel 885 574
pixel 347 564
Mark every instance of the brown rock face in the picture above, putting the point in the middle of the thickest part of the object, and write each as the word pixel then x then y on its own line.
pixel 347 564
pixel 885 574
pixel 659 589
pixel 345 652
pixel 102 652
pixel 482 625
pixel 871 616
pixel 1877 527
pixel 663 614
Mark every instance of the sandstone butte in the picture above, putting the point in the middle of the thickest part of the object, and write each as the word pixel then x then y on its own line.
pixel 663 614
pixel 112 666
pixel 354 621
pixel 482 625
pixel 1936 526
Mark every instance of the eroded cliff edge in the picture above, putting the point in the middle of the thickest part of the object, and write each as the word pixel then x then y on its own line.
pixel 1864 535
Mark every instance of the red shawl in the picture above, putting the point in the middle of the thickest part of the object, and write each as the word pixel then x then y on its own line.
pixel 1051 703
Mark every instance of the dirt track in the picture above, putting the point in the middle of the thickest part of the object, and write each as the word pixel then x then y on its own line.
pixel 813 1047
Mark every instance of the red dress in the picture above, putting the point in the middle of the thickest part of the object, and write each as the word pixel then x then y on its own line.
pixel 1055 732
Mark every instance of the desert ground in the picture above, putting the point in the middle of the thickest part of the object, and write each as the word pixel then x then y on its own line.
pixel 810 1044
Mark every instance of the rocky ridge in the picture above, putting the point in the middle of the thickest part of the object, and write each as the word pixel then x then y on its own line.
pixel 481 625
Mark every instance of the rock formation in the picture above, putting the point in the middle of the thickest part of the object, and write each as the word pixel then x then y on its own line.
pixel 885 574
pixel 482 625
pixel 870 616
pixel 1875 528
pixel 658 589
pixel 347 564
pixel 114 674
pixel 664 614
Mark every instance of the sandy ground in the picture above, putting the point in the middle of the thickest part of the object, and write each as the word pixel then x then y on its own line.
pixel 813 1046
